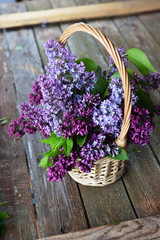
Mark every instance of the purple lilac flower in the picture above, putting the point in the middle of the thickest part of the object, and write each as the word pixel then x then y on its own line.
pixel 29 122
pixel 153 79
pixel 20 126
pixel 62 62
pixel 157 109
pixel 79 122
pixel 36 96
pixel 116 92
pixel 15 128
pixel 61 165
pixel 114 69
pixel 54 90
pixel 109 118
pixel 109 115
pixel 64 76
pixel 141 125
pixel 135 82
pixel 94 148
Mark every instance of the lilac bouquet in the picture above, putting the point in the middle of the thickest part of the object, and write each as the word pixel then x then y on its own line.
pixel 79 109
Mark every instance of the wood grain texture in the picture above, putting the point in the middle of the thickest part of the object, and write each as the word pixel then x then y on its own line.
pixel 143 168
pixel 112 203
pixel 14 175
pixel 151 22
pixel 134 34
pixel 76 13
pixel 140 166
pixel 141 229
pixel 43 33
pixel 58 205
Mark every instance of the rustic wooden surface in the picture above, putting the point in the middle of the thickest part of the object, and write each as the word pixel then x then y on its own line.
pixel 59 207
pixel 14 175
pixel 68 207
pixel 78 13
pixel 142 229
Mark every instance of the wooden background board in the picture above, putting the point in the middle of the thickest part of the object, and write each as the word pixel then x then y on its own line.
pixel 142 229
pixel 76 13
pixel 66 206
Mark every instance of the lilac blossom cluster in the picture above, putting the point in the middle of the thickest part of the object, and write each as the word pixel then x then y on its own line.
pixel 153 80
pixel 141 125
pixel 79 122
pixel 95 147
pixel 54 90
pixel 36 96
pixel 68 108
pixel 61 165
pixel 109 115
pixel 157 109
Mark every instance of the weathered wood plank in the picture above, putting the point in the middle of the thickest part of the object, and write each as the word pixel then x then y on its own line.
pixel 143 169
pixel 145 200
pixel 14 175
pixel 151 22
pixel 112 201
pixel 142 209
pixel 109 9
pixel 58 205
pixel 42 34
pixel 142 229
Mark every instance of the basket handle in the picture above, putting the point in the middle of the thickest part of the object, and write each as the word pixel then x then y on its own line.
pixel 121 141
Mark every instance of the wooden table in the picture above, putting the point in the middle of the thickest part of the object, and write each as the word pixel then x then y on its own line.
pixel 57 208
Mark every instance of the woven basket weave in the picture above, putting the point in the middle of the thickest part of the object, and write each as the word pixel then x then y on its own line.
pixel 106 170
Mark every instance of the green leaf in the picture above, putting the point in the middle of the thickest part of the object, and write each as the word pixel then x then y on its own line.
pixel 4 120
pixel 130 73
pixel 3 203
pixel 89 64
pixel 20 47
pixel 145 101
pixel 55 143
pixel 114 223
pixel 99 72
pixel 107 89
pixel 140 60
pixel 46 161
pixel 40 153
pixel 67 145
pixel 143 83
pixel 19 196
pixel 53 140
pixel 81 139
pixel 3 216
pixel 2 228
pixel 121 156
pixel 117 74
pixel 100 87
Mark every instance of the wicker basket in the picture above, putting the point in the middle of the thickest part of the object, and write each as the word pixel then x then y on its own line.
pixel 106 170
